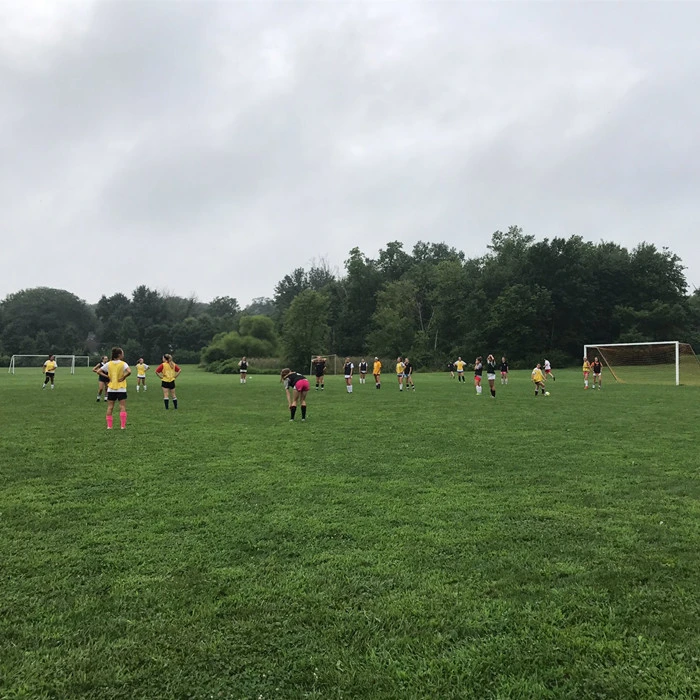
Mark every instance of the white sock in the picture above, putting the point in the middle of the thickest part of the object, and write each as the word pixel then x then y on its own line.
pixel 137 390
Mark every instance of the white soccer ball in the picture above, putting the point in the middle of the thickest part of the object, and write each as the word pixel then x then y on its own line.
pixel 546 393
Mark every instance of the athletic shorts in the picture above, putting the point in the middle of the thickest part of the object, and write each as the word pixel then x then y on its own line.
pixel 585 374
pixel 50 375
pixel 104 380
pixel 141 376
pixel 400 375
pixel 116 396
pixel 302 385
pixel 348 376
pixel 243 371
pixel 477 378
pixel 319 376
pixel 491 377
pixel 548 371
pixel 504 373
pixel 168 385
pixel 460 371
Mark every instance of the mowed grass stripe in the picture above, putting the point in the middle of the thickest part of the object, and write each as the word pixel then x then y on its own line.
pixel 427 544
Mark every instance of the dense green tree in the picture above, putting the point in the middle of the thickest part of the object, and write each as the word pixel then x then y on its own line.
pixel 305 328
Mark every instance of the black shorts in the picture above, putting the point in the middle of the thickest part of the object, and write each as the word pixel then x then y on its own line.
pixel 319 376
pixel 49 375
pixel 104 380
pixel 168 385
pixel 116 396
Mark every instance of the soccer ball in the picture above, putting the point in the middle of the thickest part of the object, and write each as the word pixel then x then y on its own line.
pixel 546 393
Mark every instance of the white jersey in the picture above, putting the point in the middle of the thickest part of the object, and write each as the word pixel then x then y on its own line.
pixel 547 366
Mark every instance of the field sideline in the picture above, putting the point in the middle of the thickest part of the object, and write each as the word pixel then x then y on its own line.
pixel 430 544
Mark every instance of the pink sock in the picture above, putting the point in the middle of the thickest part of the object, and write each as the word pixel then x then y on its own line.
pixel 122 419
pixel 110 420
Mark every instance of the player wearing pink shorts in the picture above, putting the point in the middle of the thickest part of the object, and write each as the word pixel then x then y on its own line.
pixel 299 386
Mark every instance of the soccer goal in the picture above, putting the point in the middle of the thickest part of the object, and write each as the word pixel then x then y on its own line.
pixel 667 362
pixel 38 360
pixel 331 364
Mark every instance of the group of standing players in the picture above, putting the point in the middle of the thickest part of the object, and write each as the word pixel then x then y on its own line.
pixel 459 365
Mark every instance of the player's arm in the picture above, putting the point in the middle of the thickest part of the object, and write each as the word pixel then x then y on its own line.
pixel 159 371
pixel 177 371
pixel 96 369
pixel 127 372
pixel 289 398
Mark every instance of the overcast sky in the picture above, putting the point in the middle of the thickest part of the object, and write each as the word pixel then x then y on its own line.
pixel 211 147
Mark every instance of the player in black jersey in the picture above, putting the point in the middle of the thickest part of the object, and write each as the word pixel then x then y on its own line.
pixel 299 385
pixel 491 374
pixel 319 364
pixel 363 370
pixel 597 369
pixel 408 374
pixel 348 368
pixel 504 371
pixel 451 369
pixel 478 371
pixel 243 369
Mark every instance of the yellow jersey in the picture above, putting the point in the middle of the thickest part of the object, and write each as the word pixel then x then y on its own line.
pixel 459 365
pixel 141 368
pixel 167 372
pixel 377 367
pixel 537 375
pixel 116 369
pixel 586 366
pixel 50 366
pixel 400 367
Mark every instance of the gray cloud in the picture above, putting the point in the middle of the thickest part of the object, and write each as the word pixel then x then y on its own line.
pixel 225 143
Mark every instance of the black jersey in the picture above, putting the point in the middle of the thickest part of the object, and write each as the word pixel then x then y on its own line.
pixel 292 379
pixel 504 366
pixel 450 366
pixel 478 369
pixel 597 367
pixel 408 369
pixel 363 367
pixel 243 366
pixel 319 367
pixel 348 368
pixel 491 367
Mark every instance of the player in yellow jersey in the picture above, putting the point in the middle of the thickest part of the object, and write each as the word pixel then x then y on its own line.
pixel 168 372
pixel 586 372
pixel 460 364
pixel 49 370
pixel 116 371
pixel 141 369
pixel 399 371
pixel 377 372
pixel 538 379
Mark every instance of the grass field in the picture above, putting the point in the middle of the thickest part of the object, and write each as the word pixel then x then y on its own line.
pixel 417 545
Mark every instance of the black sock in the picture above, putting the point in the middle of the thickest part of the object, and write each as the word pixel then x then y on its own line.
pixel 303 411
pixel 317 385
pixel 165 401
pixel 174 403
pixel 292 410
pixel 493 393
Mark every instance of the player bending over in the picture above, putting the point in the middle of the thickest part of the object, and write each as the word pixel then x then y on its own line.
pixel 299 385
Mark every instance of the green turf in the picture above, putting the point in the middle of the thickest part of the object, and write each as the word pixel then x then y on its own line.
pixel 418 545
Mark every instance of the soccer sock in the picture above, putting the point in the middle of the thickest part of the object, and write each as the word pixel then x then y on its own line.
pixel 122 419
pixel 110 421
pixel 400 387
pixel 174 403
pixel 303 411
pixel 493 393
pixel 165 401
pixel 317 385
pixel 144 387
pixel 585 383
pixel 350 389
pixel 293 410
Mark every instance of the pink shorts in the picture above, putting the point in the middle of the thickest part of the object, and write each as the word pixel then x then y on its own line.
pixel 302 385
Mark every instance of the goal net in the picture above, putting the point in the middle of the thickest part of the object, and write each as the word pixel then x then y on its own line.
pixel 69 362
pixel 332 364
pixel 669 362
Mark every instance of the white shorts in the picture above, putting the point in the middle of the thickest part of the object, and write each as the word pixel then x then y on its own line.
pixel 348 376
pixel 490 376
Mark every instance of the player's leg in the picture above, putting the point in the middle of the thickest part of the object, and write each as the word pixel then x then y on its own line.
pixel 110 408
pixel 302 398
pixel 166 394
pixel 173 396
pixel 122 413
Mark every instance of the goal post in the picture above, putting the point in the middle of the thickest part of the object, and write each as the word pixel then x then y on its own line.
pixel 331 363
pixel 61 360
pixel 659 362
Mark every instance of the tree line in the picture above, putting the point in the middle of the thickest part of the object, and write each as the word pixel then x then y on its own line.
pixel 522 299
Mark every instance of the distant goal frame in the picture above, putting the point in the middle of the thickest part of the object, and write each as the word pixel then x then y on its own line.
pixel 676 344
pixel 72 358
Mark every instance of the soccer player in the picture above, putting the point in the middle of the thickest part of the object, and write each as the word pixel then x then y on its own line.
pixel 538 379
pixel 49 369
pixel 168 372
pixel 320 371
pixel 347 371
pixel 478 371
pixel 116 371
pixel 399 371
pixel 377 372
pixel 491 374
pixel 363 371
pixel 548 370
pixel 408 374
pixel 300 386
pixel 243 370
pixel 586 372
pixel 504 371
pixel 451 369
pixel 597 368
pixel 141 369
pixel 101 380
pixel 460 364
